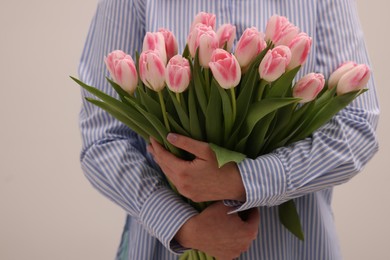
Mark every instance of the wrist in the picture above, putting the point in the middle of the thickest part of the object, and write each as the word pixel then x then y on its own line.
pixel 232 183
pixel 186 234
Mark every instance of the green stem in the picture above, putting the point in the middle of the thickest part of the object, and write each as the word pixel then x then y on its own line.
pixel 234 103
pixel 260 91
pixel 164 111
pixel 178 97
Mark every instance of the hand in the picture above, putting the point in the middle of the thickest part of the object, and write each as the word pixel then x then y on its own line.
pixel 200 179
pixel 219 234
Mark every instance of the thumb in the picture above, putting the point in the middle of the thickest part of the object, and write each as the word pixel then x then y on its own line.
pixel 197 148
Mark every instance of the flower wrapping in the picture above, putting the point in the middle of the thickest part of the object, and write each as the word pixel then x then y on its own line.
pixel 244 103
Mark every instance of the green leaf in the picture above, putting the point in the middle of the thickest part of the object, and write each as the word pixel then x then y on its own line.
pixel 227 113
pixel 98 93
pixel 195 129
pixel 199 84
pixel 281 122
pixel 283 117
pixel 281 86
pixel 122 93
pixel 184 120
pixel 289 217
pixel 177 128
pixel 159 126
pixel 330 109
pixel 150 104
pixel 285 133
pixel 260 109
pixel 245 96
pixel 224 155
pixel 244 100
pixel 256 140
pixel 151 93
pixel 127 109
pixel 143 131
pixel 214 129
pixel 324 98
pixel 186 52
pixel 184 101
pixel 120 110
pixel 297 128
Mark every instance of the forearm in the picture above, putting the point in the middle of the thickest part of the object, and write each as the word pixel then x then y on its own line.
pixel 118 171
pixel 338 150
pixel 114 159
pixel 332 156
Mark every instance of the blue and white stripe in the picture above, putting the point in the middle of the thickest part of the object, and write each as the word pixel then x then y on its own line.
pixel 115 160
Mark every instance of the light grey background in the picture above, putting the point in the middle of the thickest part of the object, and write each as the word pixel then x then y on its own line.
pixel 47 208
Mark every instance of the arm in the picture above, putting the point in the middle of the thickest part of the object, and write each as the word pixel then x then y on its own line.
pixel 114 158
pixel 341 148
pixel 331 156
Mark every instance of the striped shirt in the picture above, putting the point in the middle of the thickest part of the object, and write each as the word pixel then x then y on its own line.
pixel 115 160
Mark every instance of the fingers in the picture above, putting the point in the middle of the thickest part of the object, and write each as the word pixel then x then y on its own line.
pixel 197 148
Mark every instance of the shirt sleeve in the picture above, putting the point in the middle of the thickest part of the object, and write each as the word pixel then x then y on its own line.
pixel 114 158
pixel 339 149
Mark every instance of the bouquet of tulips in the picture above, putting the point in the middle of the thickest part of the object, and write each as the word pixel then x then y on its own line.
pixel 244 103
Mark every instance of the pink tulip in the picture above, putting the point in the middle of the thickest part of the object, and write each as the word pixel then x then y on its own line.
pixel 207 19
pixel 171 46
pixel 300 48
pixel 250 45
pixel 206 39
pixel 274 63
pixel 308 87
pixel 155 42
pixel 225 68
pixel 152 70
pixel 280 31
pixel 339 72
pixel 122 70
pixel 178 74
pixel 226 34
pixel 354 79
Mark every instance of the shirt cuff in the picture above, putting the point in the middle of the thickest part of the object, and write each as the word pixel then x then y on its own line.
pixel 264 180
pixel 163 214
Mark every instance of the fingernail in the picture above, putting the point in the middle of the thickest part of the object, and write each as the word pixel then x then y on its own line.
pixel 171 138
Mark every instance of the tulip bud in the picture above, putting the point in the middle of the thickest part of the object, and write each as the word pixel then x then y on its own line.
pixel 152 70
pixel 207 19
pixel 280 31
pixel 178 74
pixel 171 46
pixel 122 70
pixel 225 68
pixel 226 34
pixel 274 63
pixel 204 38
pixel 155 42
pixel 250 45
pixel 300 48
pixel 354 79
pixel 339 72
pixel 308 87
